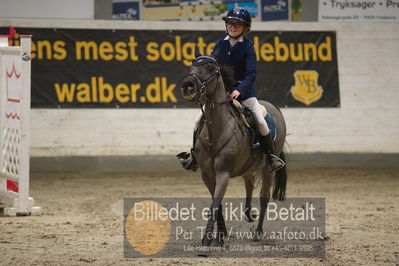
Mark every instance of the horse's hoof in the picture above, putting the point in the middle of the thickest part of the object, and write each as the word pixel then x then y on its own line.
pixel 250 216
pixel 257 237
pixel 220 242
pixel 204 252
pixel 220 238
pixel 249 219
pixel 207 241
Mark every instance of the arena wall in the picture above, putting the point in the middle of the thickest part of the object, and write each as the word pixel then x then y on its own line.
pixel 366 122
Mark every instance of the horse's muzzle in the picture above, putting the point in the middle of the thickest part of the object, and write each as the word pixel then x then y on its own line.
pixel 189 88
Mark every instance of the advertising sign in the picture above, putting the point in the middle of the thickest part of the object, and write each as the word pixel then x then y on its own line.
pixel 359 10
pixel 129 10
pixel 82 68
pixel 194 10
pixel 274 10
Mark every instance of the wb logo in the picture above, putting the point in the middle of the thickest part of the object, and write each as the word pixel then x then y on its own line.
pixel 306 88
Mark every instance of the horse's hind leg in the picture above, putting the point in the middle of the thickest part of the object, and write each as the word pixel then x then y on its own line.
pixel 264 200
pixel 249 188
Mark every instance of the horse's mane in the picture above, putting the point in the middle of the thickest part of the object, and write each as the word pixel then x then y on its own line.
pixel 228 77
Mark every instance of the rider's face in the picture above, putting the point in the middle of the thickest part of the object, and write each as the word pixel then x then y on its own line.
pixel 235 28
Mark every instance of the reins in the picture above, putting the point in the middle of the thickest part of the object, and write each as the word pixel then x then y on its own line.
pixel 203 100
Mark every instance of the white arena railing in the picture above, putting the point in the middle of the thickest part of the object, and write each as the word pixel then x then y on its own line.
pixel 15 74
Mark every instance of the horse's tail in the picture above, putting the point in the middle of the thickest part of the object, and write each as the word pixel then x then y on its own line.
pixel 280 181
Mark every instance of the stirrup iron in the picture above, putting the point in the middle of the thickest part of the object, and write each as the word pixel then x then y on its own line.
pixel 187 161
pixel 274 157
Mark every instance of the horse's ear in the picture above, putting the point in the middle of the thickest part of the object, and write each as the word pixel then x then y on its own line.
pixel 197 53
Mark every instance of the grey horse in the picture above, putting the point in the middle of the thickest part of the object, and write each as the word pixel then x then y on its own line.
pixel 223 150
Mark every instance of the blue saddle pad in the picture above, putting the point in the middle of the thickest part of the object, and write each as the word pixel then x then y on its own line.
pixel 272 125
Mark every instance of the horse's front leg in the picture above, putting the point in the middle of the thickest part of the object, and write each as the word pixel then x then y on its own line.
pixel 221 226
pixel 222 180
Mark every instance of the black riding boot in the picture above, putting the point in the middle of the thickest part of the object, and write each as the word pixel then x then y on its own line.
pixel 188 160
pixel 268 148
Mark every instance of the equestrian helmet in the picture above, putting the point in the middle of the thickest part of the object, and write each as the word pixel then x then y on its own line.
pixel 240 14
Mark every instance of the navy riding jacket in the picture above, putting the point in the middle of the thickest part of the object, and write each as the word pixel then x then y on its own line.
pixel 242 58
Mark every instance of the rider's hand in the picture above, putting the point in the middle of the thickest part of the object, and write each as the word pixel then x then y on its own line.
pixel 234 94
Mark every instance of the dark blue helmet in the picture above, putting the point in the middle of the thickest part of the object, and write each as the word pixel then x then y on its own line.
pixel 240 14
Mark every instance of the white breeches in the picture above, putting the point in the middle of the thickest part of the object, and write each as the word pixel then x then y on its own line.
pixel 253 105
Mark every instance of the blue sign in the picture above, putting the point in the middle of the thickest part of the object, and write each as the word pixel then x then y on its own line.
pixel 274 10
pixel 126 10
pixel 252 7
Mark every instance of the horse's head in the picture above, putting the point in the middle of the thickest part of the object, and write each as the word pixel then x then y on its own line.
pixel 202 79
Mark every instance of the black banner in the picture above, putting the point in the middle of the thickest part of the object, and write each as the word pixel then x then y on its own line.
pixel 80 68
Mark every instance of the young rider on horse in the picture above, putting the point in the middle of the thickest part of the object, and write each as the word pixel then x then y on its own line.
pixel 238 52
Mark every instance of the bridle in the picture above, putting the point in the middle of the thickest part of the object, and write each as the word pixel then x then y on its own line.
pixel 201 90
pixel 202 99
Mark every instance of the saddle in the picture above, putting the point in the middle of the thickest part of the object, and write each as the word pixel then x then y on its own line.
pixel 248 119
pixel 246 123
